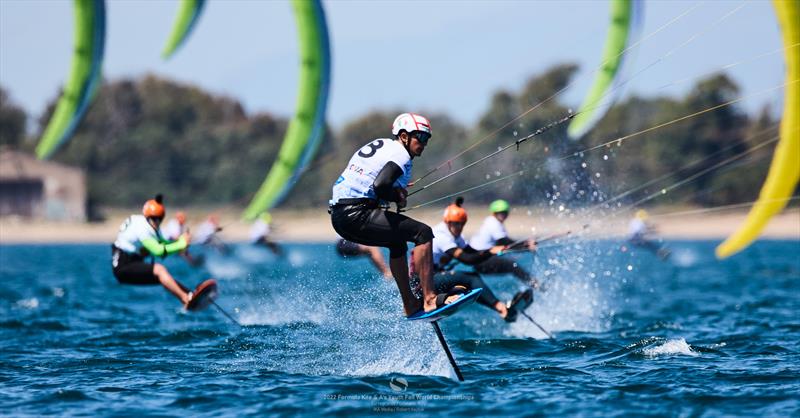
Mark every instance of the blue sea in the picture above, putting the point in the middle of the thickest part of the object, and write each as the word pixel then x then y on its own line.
pixel 634 336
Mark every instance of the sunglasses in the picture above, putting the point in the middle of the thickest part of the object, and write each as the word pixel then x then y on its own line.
pixel 422 137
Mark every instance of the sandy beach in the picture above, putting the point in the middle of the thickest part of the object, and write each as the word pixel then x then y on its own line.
pixel 314 226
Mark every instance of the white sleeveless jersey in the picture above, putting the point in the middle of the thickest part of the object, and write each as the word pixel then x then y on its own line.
pixel 357 178
pixel 444 241
pixel 491 231
pixel 132 232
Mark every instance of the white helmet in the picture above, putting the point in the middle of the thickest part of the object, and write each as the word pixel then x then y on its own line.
pixel 411 122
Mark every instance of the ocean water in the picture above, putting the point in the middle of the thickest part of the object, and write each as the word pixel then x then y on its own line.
pixel 634 335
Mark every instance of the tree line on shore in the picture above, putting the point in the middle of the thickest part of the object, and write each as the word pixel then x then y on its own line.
pixel 152 134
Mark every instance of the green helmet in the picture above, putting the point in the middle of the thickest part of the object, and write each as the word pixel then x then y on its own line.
pixel 499 205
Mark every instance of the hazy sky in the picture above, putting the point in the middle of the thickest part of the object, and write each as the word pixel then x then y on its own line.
pixel 443 55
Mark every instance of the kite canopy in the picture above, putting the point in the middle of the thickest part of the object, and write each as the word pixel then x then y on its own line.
pixel 184 23
pixel 84 78
pixel 784 171
pixel 306 129
pixel 625 22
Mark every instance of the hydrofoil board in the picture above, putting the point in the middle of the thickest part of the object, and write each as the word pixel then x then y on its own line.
pixel 203 295
pixel 447 310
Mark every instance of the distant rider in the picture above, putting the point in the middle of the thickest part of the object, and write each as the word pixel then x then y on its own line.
pixel 138 238
pixel 259 234
pixel 206 234
pixel 378 173
pixel 348 249
pixel 175 227
pixel 641 233
pixel 493 232
pixel 173 230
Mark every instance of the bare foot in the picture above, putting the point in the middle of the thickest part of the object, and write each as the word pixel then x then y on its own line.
pixel 430 304
pixel 500 307
pixel 451 299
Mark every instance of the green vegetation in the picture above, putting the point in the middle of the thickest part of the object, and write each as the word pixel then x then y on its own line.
pixel 12 122
pixel 156 135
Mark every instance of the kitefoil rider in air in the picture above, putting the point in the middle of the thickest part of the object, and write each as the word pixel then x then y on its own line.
pixel 378 173
pixel 139 236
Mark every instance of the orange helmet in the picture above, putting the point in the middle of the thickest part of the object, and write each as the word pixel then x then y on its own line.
pixel 153 208
pixel 181 217
pixel 455 213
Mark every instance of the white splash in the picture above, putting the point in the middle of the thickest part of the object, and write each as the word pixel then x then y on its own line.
pixel 568 305
pixel 254 255
pixel 225 269
pixel 671 347
pixel 267 314
pixel 31 303
pixel 684 258
pixel 406 350
pixel 290 306
pixel 297 258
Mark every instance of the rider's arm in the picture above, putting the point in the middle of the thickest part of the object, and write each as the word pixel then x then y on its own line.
pixel 468 255
pixel 160 249
pixel 504 241
pixel 384 182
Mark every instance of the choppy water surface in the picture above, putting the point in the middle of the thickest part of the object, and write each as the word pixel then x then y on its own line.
pixel 634 335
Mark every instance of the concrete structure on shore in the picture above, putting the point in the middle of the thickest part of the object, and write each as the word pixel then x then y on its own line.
pixel 40 190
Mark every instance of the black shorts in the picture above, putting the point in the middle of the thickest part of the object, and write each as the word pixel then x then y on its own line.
pixel 347 248
pixel 131 268
pixel 365 223
pixel 504 265
pixel 443 281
